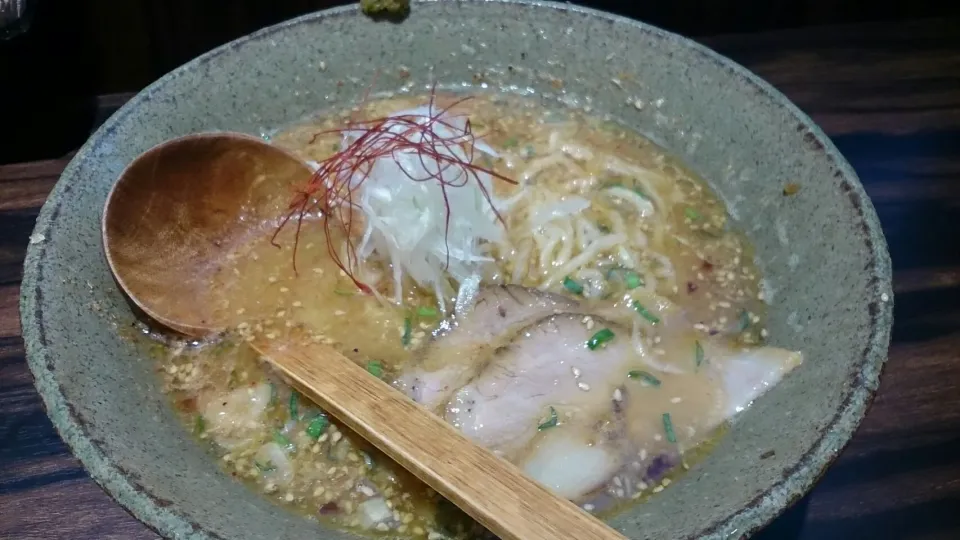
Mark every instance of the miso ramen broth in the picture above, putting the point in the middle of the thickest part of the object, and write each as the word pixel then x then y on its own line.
pixel 568 296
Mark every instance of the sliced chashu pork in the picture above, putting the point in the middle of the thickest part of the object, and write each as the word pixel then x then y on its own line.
pixel 461 349
pixel 496 373
pixel 547 365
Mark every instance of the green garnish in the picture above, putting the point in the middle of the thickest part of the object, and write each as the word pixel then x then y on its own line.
pixel 550 422
pixel 642 195
pixel 638 307
pixel 511 142
pixel 572 286
pixel 668 428
pixel 318 426
pixel 744 321
pixel 529 152
pixel 375 368
pixel 426 312
pixel 405 338
pixel 603 228
pixel 632 279
pixel 601 337
pixel 294 405
pixel 385 8
pixel 691 213
pixel 268 467
pixel 644 376
pixel 698 351
pixel 342 292
pixel 199 424
pixel 283 441
pixel 273 394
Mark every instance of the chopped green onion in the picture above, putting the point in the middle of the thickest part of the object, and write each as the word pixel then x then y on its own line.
pixel 638 307
pixel 601 337
pixel 572 286
pixel 691 213
pixel 375 368
pixel 318 426
pixel 294 405
pixel 644 376
pixel 744 321
pixel 199 424
pixel 405 339
pixel 273 393
pixel 426 312
pixel 342 292
pixel 283 441
pixel 641 193
pixel 510 143
pixel 698 351
pixel 268 467
pixel 603 228
pixel 529 152
pixel 367 460
pixel 550 422
pixel 668 428
pixel 632 279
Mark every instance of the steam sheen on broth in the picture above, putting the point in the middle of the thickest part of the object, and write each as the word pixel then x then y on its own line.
pixel 596 323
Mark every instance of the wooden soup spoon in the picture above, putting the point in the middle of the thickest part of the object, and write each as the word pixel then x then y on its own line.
pixel 165 227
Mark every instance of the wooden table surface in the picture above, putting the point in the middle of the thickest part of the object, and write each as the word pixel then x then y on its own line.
pixel 889 97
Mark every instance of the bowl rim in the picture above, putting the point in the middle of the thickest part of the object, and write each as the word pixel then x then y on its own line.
pixel 796 481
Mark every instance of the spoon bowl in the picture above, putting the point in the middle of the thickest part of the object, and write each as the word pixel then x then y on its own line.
pixel 176 211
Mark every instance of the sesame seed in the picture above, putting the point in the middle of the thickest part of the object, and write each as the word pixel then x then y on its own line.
pixel 588 507
pixel 297 303
pixel 884 297
pixel 284 289
pixel 676 400
pixel 583 386
pixel 272 279
pixel 617 395
pixel 658 489
pixel 576 372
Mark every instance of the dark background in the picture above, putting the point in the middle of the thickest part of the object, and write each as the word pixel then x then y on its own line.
pixel 75 50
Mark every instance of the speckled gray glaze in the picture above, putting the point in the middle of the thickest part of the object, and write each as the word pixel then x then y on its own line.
pixel 827 268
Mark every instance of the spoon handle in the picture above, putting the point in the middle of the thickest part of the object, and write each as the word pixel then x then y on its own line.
pixel 491 490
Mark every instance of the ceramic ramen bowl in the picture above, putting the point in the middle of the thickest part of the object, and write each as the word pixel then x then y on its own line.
pixel 821 250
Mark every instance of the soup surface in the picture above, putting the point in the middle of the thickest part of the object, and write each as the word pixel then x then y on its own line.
pixel 558 288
